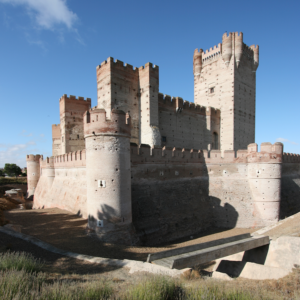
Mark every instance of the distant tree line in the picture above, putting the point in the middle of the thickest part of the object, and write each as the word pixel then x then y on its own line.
pixel 12 170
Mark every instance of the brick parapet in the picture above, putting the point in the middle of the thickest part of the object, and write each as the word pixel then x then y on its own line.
pixel 118 64
pixel 185 106
pixel 73 98
pixel 146 154
pixel 69 160
pixel 95 123
pixel 31 157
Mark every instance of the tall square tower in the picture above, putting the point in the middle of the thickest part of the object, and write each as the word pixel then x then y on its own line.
pixel 225 78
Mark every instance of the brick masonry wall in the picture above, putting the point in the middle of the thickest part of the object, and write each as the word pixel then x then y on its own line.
pixel 177 193
pixel 229 70
pixel 180 192
pixel 56 140
pixel 67 191
pixel 183 124
pixel 290 185
pixel 71 122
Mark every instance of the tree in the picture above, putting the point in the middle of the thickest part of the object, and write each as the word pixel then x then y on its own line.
pixel 1 173
pixel 12 170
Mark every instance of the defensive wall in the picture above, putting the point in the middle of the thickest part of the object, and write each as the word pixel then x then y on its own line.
pixel 176 192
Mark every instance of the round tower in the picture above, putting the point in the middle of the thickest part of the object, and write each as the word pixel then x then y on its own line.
pixel 227 47
pixel 33 173
pixel 197 63
pixel 108 173
pixel 255 55
pixel 238 47
pixel 264 173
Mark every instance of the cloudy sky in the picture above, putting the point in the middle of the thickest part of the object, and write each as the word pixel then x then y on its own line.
pixel 52 47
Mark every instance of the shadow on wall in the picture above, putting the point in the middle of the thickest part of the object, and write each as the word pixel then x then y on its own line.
pixel 111 229
pixel 290 195
pixel 167 208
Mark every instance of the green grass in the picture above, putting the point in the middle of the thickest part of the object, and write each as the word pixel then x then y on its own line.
pixel 19 261
pixel 21 278
pixel 156 288
pixel 217 291
pixel 22 285
pixel 19 180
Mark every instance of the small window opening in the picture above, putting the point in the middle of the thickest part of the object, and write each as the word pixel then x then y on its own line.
pixel 215 141
pixel 212 90
pixel 164 139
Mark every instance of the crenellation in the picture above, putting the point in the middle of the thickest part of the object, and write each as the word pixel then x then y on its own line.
pixel 73 98
pixel 212 52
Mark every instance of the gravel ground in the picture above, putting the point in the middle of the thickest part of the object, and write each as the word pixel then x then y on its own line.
pixel 67 231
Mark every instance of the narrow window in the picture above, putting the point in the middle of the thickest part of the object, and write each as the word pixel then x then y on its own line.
pixel 164 139
pixel 216 141
pixel 212 90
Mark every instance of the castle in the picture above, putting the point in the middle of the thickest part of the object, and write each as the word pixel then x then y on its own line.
pixel 144 167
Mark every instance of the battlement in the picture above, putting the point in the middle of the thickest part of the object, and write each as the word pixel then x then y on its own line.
pixel 69 160
pixel 73 98
pixel 116 63
pixel 95 122
pixel 183 105
pixel 212 52
pixel 146 154
pixel 291 158
pixel 120 64
pixel 149 65
pixel 35 158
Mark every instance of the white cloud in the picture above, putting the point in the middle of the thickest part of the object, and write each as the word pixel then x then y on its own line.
pixel 48 13
pixel 24 133
pixel 16 153
pixel 282 140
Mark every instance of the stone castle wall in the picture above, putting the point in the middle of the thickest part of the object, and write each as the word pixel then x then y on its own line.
pixel 290 183
pixel 185 124
pixel 178 192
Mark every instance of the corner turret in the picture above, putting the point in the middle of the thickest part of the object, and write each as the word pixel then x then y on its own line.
pixel 227 47
pixel 197 62
pixel 33 173
pixel 238 47
pixel 108 173
pixel 256 55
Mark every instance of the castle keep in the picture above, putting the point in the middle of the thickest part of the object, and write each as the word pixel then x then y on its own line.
pixel 144 167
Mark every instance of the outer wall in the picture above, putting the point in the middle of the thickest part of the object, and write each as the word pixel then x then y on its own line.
pixel 290 189
pixel 68 190
pixel 175 200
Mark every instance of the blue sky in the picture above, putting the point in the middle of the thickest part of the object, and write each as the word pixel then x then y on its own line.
pixel 52 47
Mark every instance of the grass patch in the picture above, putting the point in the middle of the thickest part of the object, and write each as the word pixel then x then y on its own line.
pixel 13 180
pixel 19 261
pixel 22 285
pixel 156 288
pixel 20 279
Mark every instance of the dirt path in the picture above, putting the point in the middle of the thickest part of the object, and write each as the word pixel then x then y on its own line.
pixel 289 226
pixel 67 231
